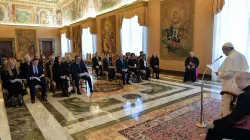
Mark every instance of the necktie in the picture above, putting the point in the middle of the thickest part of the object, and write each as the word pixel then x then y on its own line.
pixel 36 70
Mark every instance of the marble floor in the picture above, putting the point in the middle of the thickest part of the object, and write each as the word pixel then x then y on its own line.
pixel 99 116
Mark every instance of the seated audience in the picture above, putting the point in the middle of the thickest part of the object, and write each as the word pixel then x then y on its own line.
pixel 191 64
pixel 47 64
pixel 154 63
pixel 108 66
pixel 80 71
pixel 133 67
pixel 97 64
pixel 122 67
pixel 3 69
pixel 36 76
pixel 143 66
pixel 236 125
pixel 13 83
pixel 61 75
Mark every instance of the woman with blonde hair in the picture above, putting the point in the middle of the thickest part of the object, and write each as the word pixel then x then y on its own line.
pixel 13 82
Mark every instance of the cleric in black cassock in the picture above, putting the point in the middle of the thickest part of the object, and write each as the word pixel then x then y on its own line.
pixel 191 64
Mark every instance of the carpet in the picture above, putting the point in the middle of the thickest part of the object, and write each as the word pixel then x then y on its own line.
pixel 107 87
pixel 178 124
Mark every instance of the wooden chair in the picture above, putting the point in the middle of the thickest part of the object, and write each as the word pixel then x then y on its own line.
pixel 234 95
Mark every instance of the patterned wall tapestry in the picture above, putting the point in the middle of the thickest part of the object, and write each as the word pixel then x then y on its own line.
pixel 26 42
pixel 77 38
pixel 108 30
pixel 176 28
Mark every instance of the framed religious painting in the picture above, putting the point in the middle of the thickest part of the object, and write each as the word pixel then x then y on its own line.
pixel 23 14
pixel 177 18
pixel 108 34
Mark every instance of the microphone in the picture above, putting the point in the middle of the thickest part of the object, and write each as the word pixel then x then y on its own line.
pixel 217 59
pixel 202 124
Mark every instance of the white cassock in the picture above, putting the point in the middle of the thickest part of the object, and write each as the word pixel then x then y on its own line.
pixel 234 63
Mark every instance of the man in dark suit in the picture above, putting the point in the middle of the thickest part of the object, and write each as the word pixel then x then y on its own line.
pixel 108 66
pixel 97 64
pixel 154 63
pixel 122 68
pixel 47 64
pixel 236 125
pixel 35 75
pixel 79 70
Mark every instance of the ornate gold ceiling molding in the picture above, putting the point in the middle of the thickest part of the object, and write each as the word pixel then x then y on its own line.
pixel 30 3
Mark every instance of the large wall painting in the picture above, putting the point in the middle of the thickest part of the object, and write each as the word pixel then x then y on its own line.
pixel 107 4
pixel 26 42
pixel 176 29
pixel 76 38
pixel 108 31
pixel 45 16
pixel 23 14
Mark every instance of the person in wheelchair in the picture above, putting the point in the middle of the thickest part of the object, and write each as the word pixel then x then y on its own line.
pixel 61 75
pixel 236 125
pixel 13 83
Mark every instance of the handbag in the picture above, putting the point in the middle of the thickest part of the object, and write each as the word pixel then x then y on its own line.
pixel 244 123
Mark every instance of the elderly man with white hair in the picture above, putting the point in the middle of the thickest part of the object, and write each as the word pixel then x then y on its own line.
pixel 233 64
pixel 191 64
pixel 236 125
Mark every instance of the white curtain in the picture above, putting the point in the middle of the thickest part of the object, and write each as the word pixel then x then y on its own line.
pixel 133 36
pixel 88 42
pixel 65 44
pixel 232 24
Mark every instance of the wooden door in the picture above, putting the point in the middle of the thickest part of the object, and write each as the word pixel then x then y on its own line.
pixel 6 49
pixel 47 48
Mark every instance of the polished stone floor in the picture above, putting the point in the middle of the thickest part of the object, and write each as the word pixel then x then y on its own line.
pixel 99 116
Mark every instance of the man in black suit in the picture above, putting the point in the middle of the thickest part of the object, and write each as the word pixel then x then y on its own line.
pixel 97 64
pixel 108 66
pixel 79 70
pixel 236 125
pixel 154 63
pixel 35 75
pixel 47 64
pixel 122 68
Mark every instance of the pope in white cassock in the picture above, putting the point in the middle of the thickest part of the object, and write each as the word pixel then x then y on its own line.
pixel 234 63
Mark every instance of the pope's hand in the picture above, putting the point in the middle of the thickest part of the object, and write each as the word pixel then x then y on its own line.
pixel 210 125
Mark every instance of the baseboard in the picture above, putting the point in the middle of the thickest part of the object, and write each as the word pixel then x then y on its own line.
pixel 181 74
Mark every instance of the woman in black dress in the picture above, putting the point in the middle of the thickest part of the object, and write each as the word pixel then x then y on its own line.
pixel 154 63
pixel 13 82
pixel 61 75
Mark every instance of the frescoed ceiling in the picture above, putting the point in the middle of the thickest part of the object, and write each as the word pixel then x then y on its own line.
pixel 53 12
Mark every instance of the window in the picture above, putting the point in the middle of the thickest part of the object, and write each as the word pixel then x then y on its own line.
pixel 65 44
pixel 232 25
pixel 133 36
pixel 88 42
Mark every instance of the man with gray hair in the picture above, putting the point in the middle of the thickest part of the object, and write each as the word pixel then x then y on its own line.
pixel 234 63
pixel 236 125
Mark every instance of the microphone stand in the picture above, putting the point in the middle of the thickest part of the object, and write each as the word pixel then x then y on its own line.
pixel 203 124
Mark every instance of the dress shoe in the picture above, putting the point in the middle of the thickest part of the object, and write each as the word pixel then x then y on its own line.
pixel 33 101
pixel 79 93
pixel 73 91
pixel 128 83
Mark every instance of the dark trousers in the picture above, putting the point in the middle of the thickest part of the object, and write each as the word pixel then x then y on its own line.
pixel 98 71
pixel 124 76
pixel 77 82
pixel 62 84
pixel 111 72
pixel 137 72
pixel 156 71
pixel 147 72
pixel 33 84
pixel 232 133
